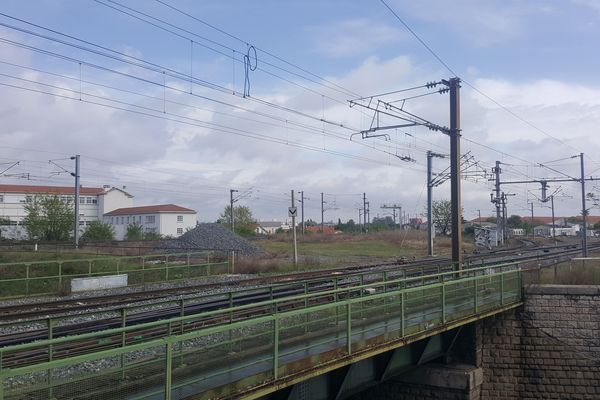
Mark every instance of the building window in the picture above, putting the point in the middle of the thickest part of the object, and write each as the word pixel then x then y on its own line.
pixel 140 219
pixel 150 219
pixel 180 231
pixel 88 200
pixel 81 223
pixel 28 199
pixel 180 218
pixel 94 200
pixel 82 200
pixel 127 220
pixel 1 198
pixel 112 221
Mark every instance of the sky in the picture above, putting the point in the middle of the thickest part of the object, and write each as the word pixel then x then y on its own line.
pixel 180 101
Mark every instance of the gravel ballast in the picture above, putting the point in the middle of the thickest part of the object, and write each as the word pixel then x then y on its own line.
pixel 211 236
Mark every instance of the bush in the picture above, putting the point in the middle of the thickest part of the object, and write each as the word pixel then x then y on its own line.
pixel 97 230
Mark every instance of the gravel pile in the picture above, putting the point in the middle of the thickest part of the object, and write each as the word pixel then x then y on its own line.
pixel 211 237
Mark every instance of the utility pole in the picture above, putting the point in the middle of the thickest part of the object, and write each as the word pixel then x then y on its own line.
pixel 553 224
pixel 232 221
pixel 583 211
pixel 368 214
pixel 231 217
pixel 323 213
pixel 360 219
pixel 76 176
pixel 302 210
pixel 294 227
pixel 504 230
pixel 365 211
pixel 430 228
pixel 532 225
pixel 393 207
pixel 498 202
pixel 457 256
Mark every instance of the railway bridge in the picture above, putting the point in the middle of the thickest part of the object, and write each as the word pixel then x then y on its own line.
pixel 330 339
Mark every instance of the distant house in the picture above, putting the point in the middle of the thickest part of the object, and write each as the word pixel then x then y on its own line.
pixel 516 232
pixel 267 227
pixel 327 229
pixel 164 219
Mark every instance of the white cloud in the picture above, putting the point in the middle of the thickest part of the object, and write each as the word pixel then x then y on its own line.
pixel 479 23
pixel 354 37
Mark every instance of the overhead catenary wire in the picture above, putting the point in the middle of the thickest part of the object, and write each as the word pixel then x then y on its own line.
pixel 472 86
pixel 211 125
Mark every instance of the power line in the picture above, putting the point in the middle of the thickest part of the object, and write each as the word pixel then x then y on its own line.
pixel 147 111
pixel 258 48
pixel 503 107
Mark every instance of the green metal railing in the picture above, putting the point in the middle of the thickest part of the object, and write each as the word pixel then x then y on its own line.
pixel 54 277
pixel 236 350
pixel 186 306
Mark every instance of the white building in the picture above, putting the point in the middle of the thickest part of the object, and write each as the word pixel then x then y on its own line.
pixel 93 203
pixel 164 219
pixel 267 227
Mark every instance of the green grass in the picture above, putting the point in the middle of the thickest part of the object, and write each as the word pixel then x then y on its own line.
pixel 575 272
pixel 367 248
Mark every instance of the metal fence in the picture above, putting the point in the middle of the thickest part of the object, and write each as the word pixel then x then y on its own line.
pixel 251 347
pixel 54 276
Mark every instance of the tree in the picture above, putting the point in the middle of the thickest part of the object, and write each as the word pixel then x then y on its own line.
pixel 514 221
pixel 349 226
pixel 97 230
pixel 244 223
pixel 49 218
pixel 441 211
pixel 310 222
pixel 134 232
pixel 151 235
pixel 382 223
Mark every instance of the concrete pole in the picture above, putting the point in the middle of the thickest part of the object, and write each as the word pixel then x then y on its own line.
pixel 499 227
pixel 294 231
pixel 365 211
pixel 76 232
pixel 583 211
pixel 532 223
pixel 231 217
pixel 429 210
pixel 457 255
pixel 553 224
pixel 232 221
pixel 302 201
pixel 323 214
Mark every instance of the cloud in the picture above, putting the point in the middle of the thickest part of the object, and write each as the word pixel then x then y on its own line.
pixel 354 37
pixel 481 24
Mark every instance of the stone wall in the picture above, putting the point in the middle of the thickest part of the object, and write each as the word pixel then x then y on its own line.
pixel 548 349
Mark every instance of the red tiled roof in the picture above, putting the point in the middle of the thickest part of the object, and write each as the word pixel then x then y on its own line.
pixel 88 191
pixel 161 208
pixel 328 230
pixel 591 219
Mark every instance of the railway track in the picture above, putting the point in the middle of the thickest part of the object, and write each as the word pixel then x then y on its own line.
pixel 58 307
pixel 99 339
pixel 288 286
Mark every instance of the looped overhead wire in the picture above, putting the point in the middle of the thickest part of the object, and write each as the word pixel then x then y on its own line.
pixel 249 66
